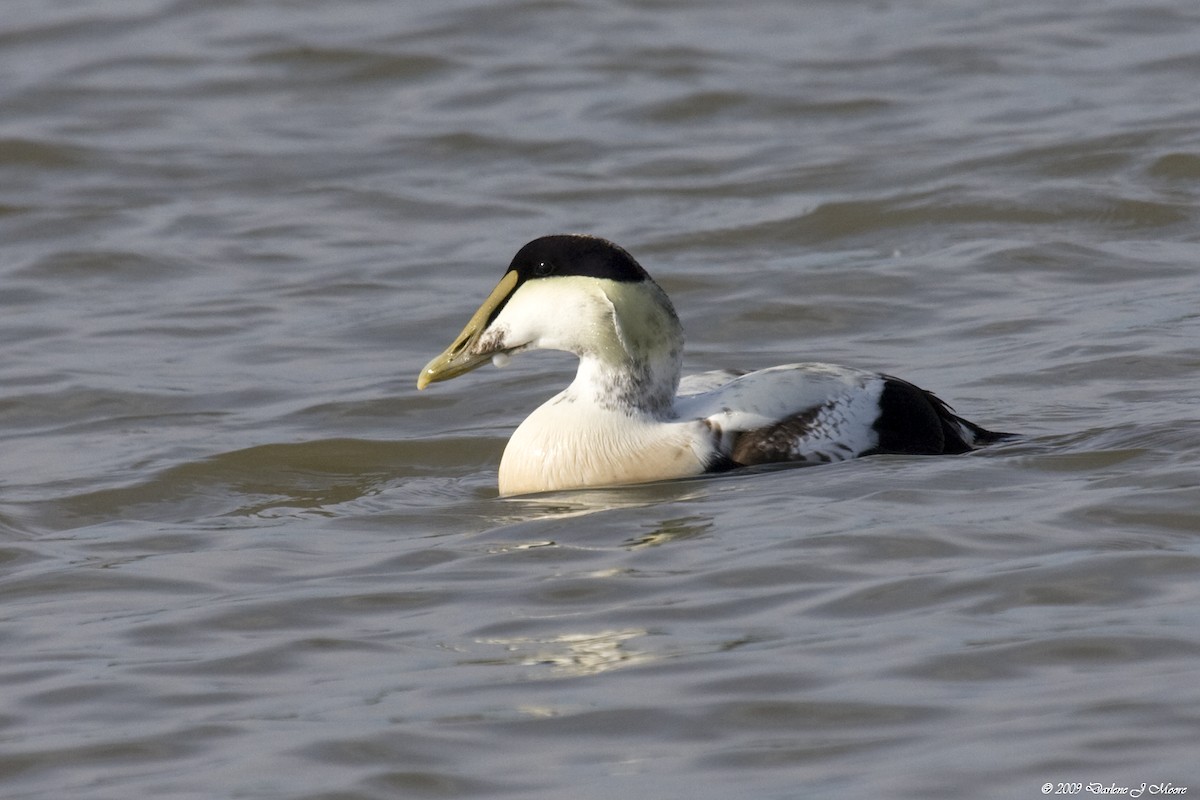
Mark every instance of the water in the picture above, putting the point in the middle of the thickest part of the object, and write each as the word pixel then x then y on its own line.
pixel 240 556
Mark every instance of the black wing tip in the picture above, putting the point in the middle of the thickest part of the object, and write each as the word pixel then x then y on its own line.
pixel 918 422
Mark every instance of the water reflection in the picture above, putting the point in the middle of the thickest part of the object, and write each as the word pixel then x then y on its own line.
pixel 574 654
pixel 545 520
pixel 673 530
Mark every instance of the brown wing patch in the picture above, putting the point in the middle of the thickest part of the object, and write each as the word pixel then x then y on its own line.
pixel 781 441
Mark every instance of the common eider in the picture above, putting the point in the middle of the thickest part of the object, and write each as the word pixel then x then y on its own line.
pixel 628 418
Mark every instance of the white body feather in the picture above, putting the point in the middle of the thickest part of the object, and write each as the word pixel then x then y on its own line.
pixel 570 441
pixel 845 403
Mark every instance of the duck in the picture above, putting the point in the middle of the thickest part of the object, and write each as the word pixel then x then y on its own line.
pixel 628 417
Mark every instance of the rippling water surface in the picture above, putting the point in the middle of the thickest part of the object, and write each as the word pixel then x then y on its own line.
pixel 240 556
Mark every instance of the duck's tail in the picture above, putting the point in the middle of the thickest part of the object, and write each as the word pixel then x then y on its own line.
pixel 962 435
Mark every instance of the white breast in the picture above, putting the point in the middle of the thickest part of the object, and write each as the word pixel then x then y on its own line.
pixel 565 445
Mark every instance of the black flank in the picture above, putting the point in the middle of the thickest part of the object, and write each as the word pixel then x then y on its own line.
pixel 913 421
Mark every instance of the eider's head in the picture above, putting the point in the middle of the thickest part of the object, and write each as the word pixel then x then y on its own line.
pixel 581 294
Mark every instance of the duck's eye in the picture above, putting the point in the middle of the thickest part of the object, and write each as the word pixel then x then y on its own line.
pixel 543 268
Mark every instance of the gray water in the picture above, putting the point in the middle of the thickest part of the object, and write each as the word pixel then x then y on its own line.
pixel 241 557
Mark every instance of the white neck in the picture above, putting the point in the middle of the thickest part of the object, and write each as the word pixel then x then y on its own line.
pixel 638 371
pixel 634 386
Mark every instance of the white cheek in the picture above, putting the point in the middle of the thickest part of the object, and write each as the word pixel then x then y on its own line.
pixel 500 360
